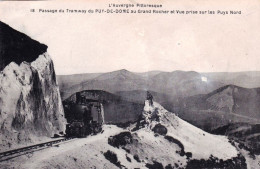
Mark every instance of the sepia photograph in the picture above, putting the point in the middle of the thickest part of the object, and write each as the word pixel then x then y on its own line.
pixel 130 84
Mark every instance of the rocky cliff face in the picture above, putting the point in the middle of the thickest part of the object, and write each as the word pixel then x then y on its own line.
pixel 17 47
pixel 30 104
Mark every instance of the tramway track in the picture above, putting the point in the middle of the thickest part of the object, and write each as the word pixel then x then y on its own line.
pixel 27 149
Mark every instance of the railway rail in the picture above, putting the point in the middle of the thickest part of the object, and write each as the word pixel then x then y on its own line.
pixel 32 147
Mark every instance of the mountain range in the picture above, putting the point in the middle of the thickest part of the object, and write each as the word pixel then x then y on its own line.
pixel 206 100
pixel 177 83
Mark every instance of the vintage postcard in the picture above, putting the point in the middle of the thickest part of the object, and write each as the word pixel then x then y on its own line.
pixel 157 84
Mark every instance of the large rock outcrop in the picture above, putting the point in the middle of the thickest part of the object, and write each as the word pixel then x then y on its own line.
pixel 17 47
pixel 30 103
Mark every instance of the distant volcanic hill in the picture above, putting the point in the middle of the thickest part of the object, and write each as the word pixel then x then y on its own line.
pixel 66 81
pixel 182 84
pixel 250 79
pixel 229 99
pixel 226 105
pixel 121 80
pixel 30 104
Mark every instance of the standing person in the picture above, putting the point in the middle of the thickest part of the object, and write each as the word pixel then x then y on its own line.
pixel 149 97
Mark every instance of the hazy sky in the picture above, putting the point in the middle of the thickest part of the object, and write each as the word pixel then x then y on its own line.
pixel 83 43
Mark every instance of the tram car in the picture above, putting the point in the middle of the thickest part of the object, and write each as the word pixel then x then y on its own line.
pixel 85 117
